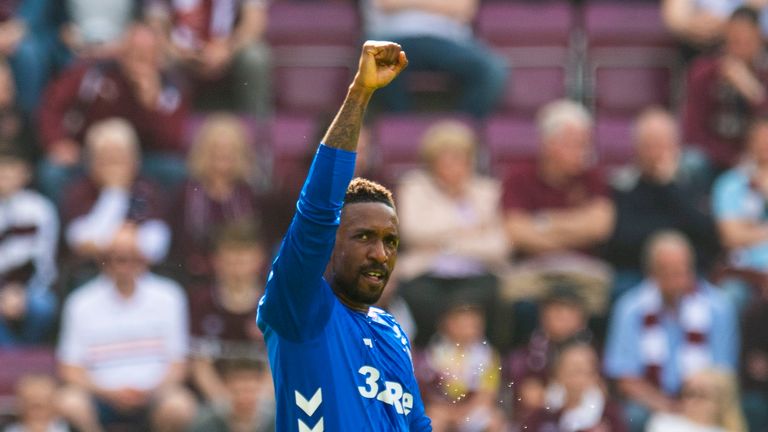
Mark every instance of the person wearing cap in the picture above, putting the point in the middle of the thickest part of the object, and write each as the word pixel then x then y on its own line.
pixel 29 231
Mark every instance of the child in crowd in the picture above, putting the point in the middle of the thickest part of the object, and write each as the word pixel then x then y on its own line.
pixel 460 374
pixel 29 230
pixel 248 405
pixel 710 403
pixel 36 396
pixel 576 398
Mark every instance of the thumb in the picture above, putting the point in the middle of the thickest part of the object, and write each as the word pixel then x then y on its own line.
pixel 368 61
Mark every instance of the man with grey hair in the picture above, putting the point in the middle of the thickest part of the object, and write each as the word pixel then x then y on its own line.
pixel 651 196
pixel 112 194
pixel 670 326
pixel 558 203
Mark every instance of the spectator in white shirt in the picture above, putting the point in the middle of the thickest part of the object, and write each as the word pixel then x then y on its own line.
pixel 123 346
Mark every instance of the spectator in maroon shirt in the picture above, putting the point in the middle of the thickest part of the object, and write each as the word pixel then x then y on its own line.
pixel 220 43
pixel 726 91
pixel 219 191
pixel 223 314
pixel 557 210
pixel 133 87
pixel 111 195
pixel 558 203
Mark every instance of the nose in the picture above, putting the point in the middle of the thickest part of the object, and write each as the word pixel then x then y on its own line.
pixel 378 252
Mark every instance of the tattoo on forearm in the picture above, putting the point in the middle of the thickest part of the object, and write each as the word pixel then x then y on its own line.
pixel 345 129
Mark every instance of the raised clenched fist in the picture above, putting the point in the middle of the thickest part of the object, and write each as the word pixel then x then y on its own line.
pixel 380 63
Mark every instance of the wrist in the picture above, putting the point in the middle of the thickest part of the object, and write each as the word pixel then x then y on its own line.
pixel 358 91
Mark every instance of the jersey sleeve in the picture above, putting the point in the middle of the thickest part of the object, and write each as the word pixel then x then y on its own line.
pixel 419 420
pixel 297 302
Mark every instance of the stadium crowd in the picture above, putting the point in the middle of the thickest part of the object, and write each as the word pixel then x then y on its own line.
pixel 582 189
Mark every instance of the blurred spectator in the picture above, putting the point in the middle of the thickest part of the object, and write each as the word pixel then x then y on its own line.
pixel 455 255
pixel 724 92
pixel 576 398
pixel 29 40
pixel 652 195
pixel 437 35
pixel 754 364
pixel 250 405
pixel 460 376
pixel 739 205
pixel 709 403
pixel 15 125
pixel 112 195
pixel 27 312
pixel 667 328
pixel 29 230
pixel 123 346
pixel 221 166
pixel 700 23
pixel 134 87
pixel 37 410
pixel 221 44
pixel 557 208
pixel 562 320
pixel 94 28
pixel 223 315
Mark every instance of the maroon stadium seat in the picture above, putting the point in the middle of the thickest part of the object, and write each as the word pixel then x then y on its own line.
pixel 313 23
pixel 625 24
pixel 535 40
pixel 632 61
pixel 525 24
pixel 310 88
pixel 397 139
pixel 314 45
pixel 510 140
pixel 292 142
pixel 613 136
pixel 16 362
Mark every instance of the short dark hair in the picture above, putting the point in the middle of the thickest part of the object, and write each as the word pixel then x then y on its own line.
pixel 746 13
pixel 238 234
pixel 362 190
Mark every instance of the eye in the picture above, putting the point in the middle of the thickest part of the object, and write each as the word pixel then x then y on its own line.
pixel 393 242
pixel 362 236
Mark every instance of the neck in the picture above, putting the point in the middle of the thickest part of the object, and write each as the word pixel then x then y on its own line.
pixel 358 307
pixel 219 189
pixel 670 301
pixel 571 400
pixel 125 287
pixel 551 174
pixel 355 306
pixel 238 297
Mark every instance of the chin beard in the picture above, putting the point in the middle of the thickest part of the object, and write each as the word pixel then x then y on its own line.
pixel 353 292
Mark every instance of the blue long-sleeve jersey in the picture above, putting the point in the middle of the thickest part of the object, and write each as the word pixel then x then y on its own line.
pixel 334 368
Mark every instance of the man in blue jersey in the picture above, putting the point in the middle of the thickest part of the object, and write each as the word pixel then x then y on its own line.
pixel 339 364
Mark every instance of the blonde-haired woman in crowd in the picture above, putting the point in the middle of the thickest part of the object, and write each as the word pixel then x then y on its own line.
pixel 709 403
pixel 219 191
pixel 451 228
